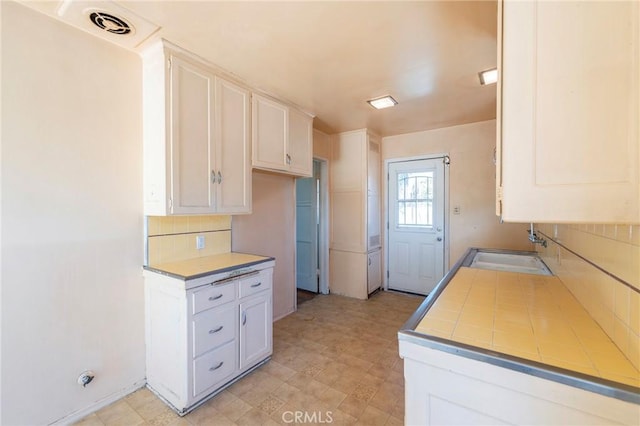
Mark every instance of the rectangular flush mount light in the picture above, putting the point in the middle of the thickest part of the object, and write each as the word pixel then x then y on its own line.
pixel 488 76
pixel 383 102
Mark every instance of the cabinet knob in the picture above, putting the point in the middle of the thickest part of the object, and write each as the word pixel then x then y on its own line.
pixel 217 366
pixel 288 159
pixel 212 298
pixel 439 239
pixel 216 330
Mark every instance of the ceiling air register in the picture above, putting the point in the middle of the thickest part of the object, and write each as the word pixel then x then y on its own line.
pixel 110 23
pixel 107 20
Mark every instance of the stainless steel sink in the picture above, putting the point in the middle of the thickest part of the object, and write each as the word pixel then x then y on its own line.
pixel 526 263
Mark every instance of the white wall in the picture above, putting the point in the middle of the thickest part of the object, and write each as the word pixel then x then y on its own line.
pixel 471 184
pixel 271 231
pixel 72 290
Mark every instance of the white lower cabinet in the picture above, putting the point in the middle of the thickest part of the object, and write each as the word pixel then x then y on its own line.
pixel 446 388
pixel 204 333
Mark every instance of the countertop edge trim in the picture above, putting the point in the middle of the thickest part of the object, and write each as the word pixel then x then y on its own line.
pixel 204 274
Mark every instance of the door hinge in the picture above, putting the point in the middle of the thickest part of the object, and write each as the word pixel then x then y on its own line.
pixel 446 160
pixel 387 274
pixel 169 63
pixel 499 193
pixel 170 203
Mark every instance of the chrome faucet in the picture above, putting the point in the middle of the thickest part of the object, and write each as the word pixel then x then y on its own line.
pixel 535 239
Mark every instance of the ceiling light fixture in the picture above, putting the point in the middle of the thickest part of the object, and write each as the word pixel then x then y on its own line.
pixel 488 76
pixel 382 102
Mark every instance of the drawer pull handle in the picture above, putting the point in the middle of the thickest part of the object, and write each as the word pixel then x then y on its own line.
pixel 216 330
pixel 217 366
pixel 212 298
pixel 256 285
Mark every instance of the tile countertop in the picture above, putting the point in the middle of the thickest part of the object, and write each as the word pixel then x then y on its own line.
pixel 529 316
pixel 530 323
pixel 207 265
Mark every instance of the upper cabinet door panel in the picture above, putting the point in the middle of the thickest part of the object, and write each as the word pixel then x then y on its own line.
pixel 570 111
pixel 269 133
pixel 192 91
pixel 233 149
pixel 585 78
pixel 300 150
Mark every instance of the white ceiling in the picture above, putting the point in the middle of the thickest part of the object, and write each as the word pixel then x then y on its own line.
pixel 329 57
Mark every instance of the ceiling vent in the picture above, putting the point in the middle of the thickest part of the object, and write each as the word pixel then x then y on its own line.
pixel 111 23
pixel 107 20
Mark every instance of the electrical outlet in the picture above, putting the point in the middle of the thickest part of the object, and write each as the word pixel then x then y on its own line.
pixel 199 242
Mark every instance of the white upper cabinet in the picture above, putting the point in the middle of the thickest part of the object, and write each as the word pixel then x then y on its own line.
pixel 355 191
pixel 196 137
pixel 568 112
pixel 282 137
pixel 374 227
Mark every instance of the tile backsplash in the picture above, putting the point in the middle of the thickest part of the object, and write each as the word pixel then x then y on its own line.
pixel 173 238
pixel 615 249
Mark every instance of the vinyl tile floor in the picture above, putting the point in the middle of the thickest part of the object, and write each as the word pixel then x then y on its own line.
pixel 335 361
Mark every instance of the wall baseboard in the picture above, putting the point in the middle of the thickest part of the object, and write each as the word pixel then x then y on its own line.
pixel 80 414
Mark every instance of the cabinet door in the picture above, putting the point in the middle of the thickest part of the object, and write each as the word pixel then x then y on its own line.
pixel 300 147
pixel 269 133
pixel 233 161
pixel 348 202
pixel 192 156
pixel 570 91
pixel 373 195
pixel 374 271
pixel 256 340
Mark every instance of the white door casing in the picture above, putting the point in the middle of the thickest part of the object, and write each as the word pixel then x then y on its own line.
pixel 416 215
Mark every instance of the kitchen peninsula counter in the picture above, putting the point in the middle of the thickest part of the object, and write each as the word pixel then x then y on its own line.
pixel 201 266
pixel 523 328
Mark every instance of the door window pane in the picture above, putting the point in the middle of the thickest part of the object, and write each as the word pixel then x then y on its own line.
pixel 415 199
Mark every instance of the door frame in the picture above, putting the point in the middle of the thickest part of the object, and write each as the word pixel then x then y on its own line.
pixel 323 237
pixel 445 157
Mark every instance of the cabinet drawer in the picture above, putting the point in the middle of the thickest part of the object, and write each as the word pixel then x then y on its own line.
pixel 214 368
pixel 213 328
pixel 255 283
pixel 213 295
